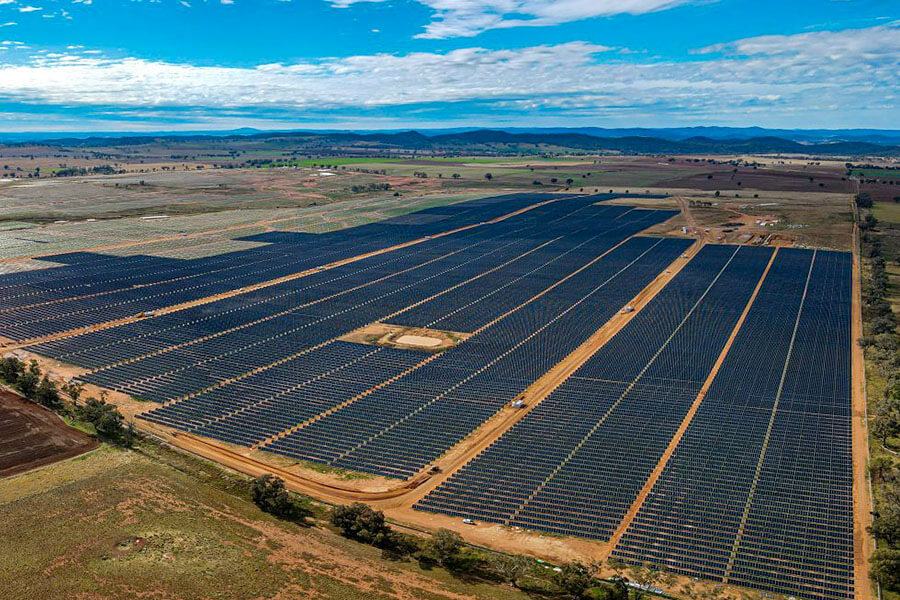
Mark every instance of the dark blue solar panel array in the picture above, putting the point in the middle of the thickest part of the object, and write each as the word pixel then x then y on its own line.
pixel 758 492
pixel 528 272
pixel 575 464
pixel 400 428
pixel 95 288
pixel 277 399
pixel 185 369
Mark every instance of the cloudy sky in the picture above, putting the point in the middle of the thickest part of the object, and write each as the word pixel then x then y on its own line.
pixel 130 65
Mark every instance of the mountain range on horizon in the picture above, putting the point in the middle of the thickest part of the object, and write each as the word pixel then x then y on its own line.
pixel 886 137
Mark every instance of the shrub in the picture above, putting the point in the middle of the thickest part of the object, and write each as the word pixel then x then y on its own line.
pixel 270 495
pixel 360 522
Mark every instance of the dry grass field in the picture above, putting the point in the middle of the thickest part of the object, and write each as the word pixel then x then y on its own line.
pixel 122 524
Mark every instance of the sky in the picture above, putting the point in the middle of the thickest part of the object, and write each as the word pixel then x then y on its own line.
pixel 166 65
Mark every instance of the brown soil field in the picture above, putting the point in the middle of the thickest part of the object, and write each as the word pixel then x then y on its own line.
pixel 764 179
pixel 32 436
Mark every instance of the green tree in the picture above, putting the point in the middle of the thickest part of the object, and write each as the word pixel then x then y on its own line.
pixel 445 546
pixel 609 591
pixel 11 368
pixel 886 420
pixel 886 526
pixel 270 495
pixel 29 380
pixel 488 176
pixel 885 567
pixel 882 469
pixel 360 522
pixel 107 420
pixel 47 394
pixel 509 568
pixel 73 389
pixel 574 579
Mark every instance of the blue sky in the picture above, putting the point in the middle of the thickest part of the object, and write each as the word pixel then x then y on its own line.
pixel 129 65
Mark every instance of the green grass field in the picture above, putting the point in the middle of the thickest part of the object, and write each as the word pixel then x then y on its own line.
pixel 877 173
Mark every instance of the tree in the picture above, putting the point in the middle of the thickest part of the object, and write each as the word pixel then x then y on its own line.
pixel 29 380
pixel 886 567
pixel 106 419
pixel 863 200
pixel 509 567
pixel 270 495
pixel 612 591
pixel 445 547
pixel 885 426
pixel 73 389
pixel 488 176
pixel 399 545
pixel 47 395
pixel 359 522
pixel 617 565
pixel 882 469
pixel 10 369
pixel 456 176
pixel 886 527
pixel 574 579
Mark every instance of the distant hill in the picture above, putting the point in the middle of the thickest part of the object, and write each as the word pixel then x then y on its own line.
pixel 503 141
pixel 812 136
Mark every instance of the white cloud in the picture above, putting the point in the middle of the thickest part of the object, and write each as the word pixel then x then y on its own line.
pixel 851 72
pixel 465 18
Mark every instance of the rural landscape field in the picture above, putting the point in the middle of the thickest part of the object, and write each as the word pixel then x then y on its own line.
pixel 538 299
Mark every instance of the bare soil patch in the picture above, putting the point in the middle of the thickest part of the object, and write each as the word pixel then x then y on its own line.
pixel 407 338
pixel 32 436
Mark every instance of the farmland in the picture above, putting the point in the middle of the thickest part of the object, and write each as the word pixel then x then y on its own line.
pixel 33 436
pixel 590 348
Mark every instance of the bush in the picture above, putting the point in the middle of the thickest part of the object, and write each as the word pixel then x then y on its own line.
pixel 270 495
pixel 886 567
pixel 29 380
pixel 10 369
pixel 574 580
pixel 359 522
pixel 107 421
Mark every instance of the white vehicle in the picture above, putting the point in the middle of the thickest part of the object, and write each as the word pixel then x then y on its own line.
pixel 468 521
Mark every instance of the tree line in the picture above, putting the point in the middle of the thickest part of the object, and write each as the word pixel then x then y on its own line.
pixel 31 382
pixel 881 346
pixel 446 549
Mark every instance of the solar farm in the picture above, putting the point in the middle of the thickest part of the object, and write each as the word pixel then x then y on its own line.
pixel 680 404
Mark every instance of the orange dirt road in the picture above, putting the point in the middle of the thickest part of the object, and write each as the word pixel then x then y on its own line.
pixel 863 544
